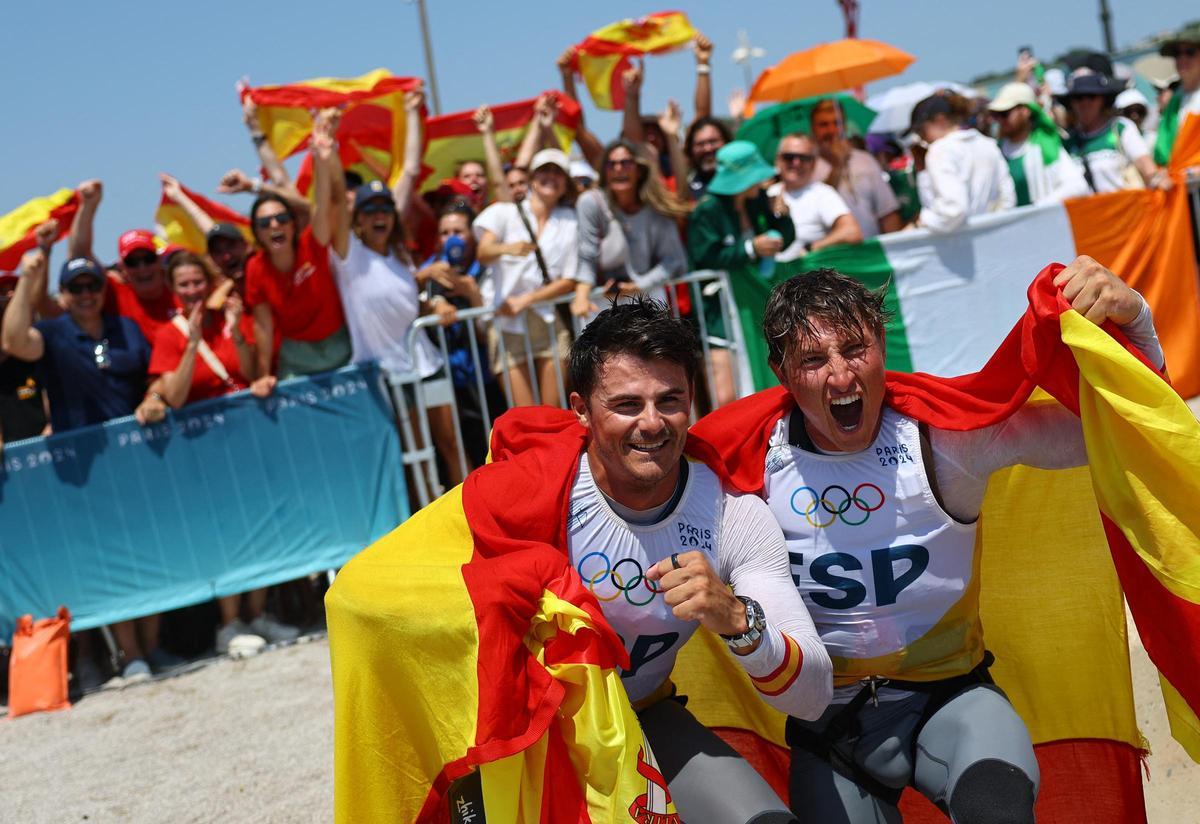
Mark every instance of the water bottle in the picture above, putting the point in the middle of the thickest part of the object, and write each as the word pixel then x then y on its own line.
pixel 766 265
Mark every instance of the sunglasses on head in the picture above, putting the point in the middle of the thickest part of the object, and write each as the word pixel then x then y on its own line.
pixel 264 222
pixel 78 287
pixel 376 207
pixel 797 157
pixel 136 261
pixel 620 163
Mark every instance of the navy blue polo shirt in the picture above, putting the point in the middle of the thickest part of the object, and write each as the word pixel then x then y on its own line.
pixel 81 392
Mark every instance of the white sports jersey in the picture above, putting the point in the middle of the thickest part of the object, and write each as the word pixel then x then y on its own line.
pixel 612 556
pixel 890 579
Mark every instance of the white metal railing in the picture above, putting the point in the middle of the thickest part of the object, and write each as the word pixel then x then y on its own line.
pixel 420 455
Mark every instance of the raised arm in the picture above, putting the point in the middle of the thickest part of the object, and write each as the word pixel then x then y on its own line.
pixel 485 123
pixel 703 49
pixel 79 242
pixel 414 129
pixel 669 121
pixel 540 131
pixel 266 155
pixel 178 382
pixel 45 235
pixel 18 337
pixel 176 195
pixel 330 223
pixel 235 181
pixel 589 144
pixel 631 80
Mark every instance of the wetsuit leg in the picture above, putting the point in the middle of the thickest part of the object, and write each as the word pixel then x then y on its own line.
pixel 975 760
pixel 822 791
pixel 709 782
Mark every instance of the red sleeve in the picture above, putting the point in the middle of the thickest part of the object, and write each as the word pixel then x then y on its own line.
pixel 168 350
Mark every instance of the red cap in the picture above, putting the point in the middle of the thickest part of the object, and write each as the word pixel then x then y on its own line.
pixel 133 241
pixel 170 249
pixel 454 186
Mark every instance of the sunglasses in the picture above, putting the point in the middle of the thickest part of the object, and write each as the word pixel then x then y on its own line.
pixel 138 261
pixel 100 353
pixel 90 286
pixel 797 157
pixel 620 163
pixel 1004 114
pixel 282 218
pixel 1187 51
pixel 375 207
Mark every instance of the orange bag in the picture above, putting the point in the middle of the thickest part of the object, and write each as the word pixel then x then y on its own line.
pixel 37 668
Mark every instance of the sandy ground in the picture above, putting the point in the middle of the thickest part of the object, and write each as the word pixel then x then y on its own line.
pixel 252 741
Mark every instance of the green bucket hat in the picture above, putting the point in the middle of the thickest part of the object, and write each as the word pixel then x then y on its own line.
pixel 739 166
pixel 1189 35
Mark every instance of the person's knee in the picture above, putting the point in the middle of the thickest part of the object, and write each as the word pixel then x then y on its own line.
pixel 992 792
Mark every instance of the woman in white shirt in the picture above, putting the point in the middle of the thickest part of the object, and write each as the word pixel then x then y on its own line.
pixel 380 294
pixel 1109 149
pixel 511 236
pixel 963 172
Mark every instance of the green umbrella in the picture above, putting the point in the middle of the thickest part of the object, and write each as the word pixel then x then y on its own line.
pixel 766 128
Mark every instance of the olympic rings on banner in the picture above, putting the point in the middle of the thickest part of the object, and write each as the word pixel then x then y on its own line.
pixel 836 502
pixel 619 583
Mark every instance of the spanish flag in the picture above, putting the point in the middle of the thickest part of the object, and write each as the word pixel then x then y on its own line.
pixel 604 55
pixel 451 139
pixel 464 641
pixel 1051 600
pixel 178 229
pixel 18 226
pixel 373 116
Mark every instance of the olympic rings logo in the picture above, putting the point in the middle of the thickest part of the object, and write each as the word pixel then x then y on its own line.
pixel 838 503
pixel 622 586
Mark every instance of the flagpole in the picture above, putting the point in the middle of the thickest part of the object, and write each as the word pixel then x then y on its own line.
pixel 433 87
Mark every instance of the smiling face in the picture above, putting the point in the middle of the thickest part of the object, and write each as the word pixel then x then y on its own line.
pixel 83 298
pixel 190 284
pixel 273 227
pixel 473 174
pixel 144 273
pixel 836 378
pixel 621 172
pixel 637 419
pixel 229 255
pixel 549 183
pixel 705 143
pixel 374 222
pixel 795 159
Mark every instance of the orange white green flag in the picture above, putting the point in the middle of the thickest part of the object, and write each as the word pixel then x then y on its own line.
pixel 452 139
pixel 18 226
pixel 373 117
pixel 605 54
pixel 178 229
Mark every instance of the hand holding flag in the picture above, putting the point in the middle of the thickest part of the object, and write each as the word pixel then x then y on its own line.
pixel 1097 293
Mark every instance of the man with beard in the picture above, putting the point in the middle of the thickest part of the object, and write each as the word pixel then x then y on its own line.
pixel 880 515
pixel 1042 169
pixel 854 173
pixel 704 137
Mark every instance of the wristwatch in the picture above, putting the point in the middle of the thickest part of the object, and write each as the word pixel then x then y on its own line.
pixel 756 623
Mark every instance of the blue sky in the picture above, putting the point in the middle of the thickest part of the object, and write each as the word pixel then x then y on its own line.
pixel 93 92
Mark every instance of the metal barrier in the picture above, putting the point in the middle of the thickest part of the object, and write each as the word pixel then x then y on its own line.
pixel 420 454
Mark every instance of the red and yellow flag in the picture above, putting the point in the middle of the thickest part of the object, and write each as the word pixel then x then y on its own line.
pixel 604 55
pixel 373 118
pixel 18 226
pixel 451 139
pixel 178 229
pixel 459 643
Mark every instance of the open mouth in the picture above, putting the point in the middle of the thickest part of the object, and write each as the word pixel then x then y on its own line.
pixel 847 412
pixel 277 238
pixel 649 448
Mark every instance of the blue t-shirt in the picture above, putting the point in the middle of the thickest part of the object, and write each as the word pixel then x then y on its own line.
pixel 88 380
pixel 462 367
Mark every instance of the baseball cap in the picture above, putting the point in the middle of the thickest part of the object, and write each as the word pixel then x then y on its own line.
pixel 580 168
pixel 551 157
pixel 135 240
pixel 1131 97
pixel 375 190
pixel 78 267
pixel 223 231
pixel 1012 95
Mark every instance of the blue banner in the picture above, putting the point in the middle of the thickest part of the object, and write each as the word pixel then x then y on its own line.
pixel 118 520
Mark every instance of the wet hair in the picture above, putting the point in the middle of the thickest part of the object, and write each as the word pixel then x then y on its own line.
pixel 186 258
pixel 824 295
pixel 651 190
pixel 262 200
pixel 699 123
pixel 641 327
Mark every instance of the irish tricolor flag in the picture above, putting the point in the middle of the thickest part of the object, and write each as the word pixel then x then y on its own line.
pixel 955 296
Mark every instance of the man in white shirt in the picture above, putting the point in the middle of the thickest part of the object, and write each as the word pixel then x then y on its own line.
pixel 1041 167
pixel 819 213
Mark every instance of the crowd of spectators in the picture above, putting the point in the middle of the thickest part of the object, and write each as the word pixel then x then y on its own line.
pixel 341 276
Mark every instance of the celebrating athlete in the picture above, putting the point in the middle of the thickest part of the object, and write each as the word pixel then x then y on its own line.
pixel 666 549
pixel 879 512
